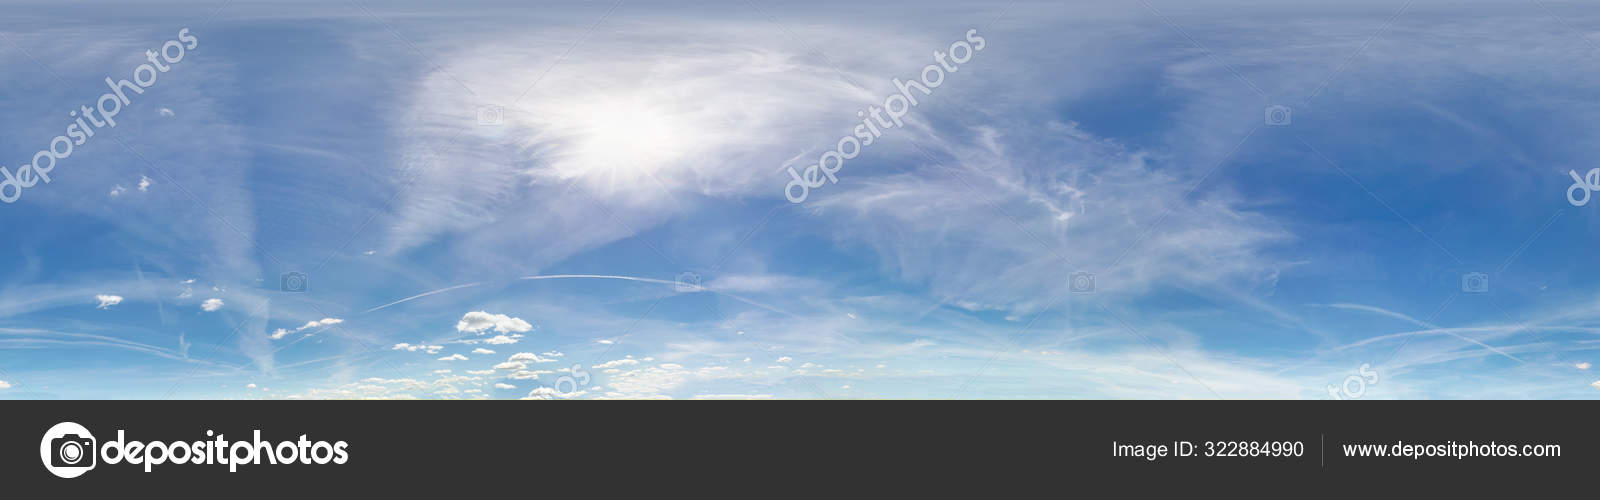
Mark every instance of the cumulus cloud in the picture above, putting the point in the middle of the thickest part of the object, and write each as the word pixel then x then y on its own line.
pixel 480 321
pixel 106 301
pixel 4 385
pixel 510 365
pixel 503 385
pixel 1583 366
pixel 616 363
pixel 453 357
pixel 211 305
pixel 551 393
pixel 481 350
pixel 528 356
pixel 501 339
pixel 527 374
pixel 430 349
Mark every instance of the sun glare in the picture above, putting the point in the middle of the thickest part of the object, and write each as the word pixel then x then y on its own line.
pixel 625 139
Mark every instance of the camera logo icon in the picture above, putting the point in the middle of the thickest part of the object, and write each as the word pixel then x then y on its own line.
pixel 1475 283
pixel 688 282
pixel 68 450
pixel 292 281
pixel 491 115
pixel 1082 282
pixel 1279 115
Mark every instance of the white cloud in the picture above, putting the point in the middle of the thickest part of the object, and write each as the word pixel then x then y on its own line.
pixel 211 305
pixel 281 333
pixel 116 191
pixel 481 350
pixel 1583 366
pixel 500 339
pixel 510 365
pixel 319 323
pixel 250 386
pixel 503 385
pixel 106 301
pixel 453 357
pixel 481 372
pixel 144 183
pixel 4 385
pixel 528 356
pixel 615 363
pixel 441 371
pixel 527 374
pixel 430 349
pixel 480 321
pixel 551 393
pixel 785 359
pixel 167 112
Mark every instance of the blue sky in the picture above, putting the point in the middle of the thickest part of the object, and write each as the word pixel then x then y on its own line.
pixel 496 200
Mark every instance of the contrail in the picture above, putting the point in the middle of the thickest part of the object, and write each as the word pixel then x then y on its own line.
pixel 420 295
pixel 697 288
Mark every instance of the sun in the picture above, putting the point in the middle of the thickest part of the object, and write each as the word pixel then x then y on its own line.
pixel 624 139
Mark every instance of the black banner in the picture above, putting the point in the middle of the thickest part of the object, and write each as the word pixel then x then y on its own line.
pixel 842 448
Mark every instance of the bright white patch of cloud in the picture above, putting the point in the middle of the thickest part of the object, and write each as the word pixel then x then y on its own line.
pixel 510 365
pixel 211 305
pixel 551 393
pixel 1584 365
pixel 500 339
pixel 616 363
pixel 430 349
pixel 527 374
pixel 480 321
pixel 453 357
pixel 481 350
pixel 503 385
pixel 319 323
pixel 528 356
pixel 144 184
pixel 106 301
